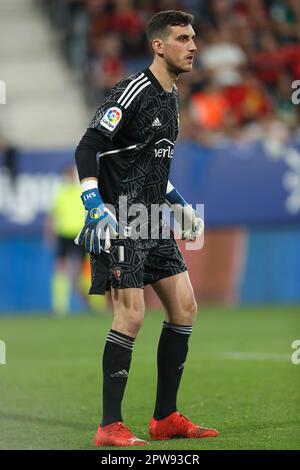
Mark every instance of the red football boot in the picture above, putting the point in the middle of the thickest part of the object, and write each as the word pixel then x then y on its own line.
pixel 116 434
pixel 177 425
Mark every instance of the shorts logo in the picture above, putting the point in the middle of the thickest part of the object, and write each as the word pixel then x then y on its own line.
pixel 117 273
pixel 111 118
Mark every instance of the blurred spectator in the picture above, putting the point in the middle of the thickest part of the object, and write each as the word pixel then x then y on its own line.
pixel 285 15
pixel 273 57
pixel 251 14
pixel 222 59
pixel 107 66
pixel 127 21
pixel 210 108
pixel 217 13
pixel 247 100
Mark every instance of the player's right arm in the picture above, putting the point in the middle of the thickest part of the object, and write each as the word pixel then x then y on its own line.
pixel 100 223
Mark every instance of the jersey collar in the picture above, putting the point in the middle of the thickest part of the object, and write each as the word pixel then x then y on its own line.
pixel 155 82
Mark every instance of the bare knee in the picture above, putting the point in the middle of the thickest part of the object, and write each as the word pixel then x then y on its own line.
pixel 128 321
pixel 186 312
pixel 190 310
pixel 134 321
pixel 129 311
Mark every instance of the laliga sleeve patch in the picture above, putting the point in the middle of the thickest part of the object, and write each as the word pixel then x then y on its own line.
pixel 111 118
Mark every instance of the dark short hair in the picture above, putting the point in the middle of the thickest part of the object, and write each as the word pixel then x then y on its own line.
pixel 158 24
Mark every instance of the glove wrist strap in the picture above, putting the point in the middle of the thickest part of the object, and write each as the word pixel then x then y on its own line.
pixel 89 184
pixel 174 197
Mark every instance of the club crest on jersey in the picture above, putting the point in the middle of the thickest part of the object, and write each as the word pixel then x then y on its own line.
pixel 117 273
pixel 111 118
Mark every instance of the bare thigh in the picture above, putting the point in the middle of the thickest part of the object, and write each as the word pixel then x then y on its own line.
pixel 177 296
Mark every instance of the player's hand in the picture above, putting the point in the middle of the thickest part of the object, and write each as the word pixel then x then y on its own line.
pixel 189 220
pixel 100 224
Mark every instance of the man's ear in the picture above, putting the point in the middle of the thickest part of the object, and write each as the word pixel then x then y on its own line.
pixel 158 46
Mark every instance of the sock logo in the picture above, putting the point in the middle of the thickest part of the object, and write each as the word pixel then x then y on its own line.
pixel 121 373
pixel 181 366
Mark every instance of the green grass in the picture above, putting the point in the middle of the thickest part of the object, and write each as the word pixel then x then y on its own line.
pixel 238 378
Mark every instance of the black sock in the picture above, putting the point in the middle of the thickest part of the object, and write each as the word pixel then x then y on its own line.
pixel 116 364
pixel 171 356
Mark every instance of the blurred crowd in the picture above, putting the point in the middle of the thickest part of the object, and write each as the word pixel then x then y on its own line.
pixel 248 56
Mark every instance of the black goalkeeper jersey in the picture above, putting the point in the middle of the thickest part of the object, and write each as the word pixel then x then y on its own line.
pixel 139 120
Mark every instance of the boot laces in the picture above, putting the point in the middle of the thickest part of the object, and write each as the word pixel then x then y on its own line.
pixel 120 430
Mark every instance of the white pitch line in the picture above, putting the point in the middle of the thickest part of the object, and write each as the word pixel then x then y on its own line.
pixel 255 356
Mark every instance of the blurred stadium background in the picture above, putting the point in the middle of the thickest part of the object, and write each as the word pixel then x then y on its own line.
pixel 238 153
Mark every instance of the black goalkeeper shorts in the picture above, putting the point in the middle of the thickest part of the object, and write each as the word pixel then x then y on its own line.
pixel 134 263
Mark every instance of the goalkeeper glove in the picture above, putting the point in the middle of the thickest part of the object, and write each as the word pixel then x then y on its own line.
pixel 189 220
pixel 100 224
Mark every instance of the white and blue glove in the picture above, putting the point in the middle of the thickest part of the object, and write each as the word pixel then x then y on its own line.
pixel 189 220
pixel 100 224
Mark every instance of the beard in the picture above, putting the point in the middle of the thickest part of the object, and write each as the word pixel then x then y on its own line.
pixel 175 69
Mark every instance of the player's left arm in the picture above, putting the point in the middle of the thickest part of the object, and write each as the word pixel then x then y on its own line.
pixel 191 223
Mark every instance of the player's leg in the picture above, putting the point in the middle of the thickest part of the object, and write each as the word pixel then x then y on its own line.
pixel 125 271
pixel 177 296
pixel 128 315
pixel 128 310
pixel 122 270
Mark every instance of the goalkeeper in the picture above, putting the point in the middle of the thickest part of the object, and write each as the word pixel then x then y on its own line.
pixel 133 134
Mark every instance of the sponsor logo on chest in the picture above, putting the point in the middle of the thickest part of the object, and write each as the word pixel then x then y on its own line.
pixel 164 149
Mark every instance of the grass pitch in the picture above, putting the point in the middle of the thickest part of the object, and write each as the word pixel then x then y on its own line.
pixel 239 378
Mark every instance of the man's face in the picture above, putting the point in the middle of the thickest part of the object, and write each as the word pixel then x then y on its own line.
pixel 178 48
